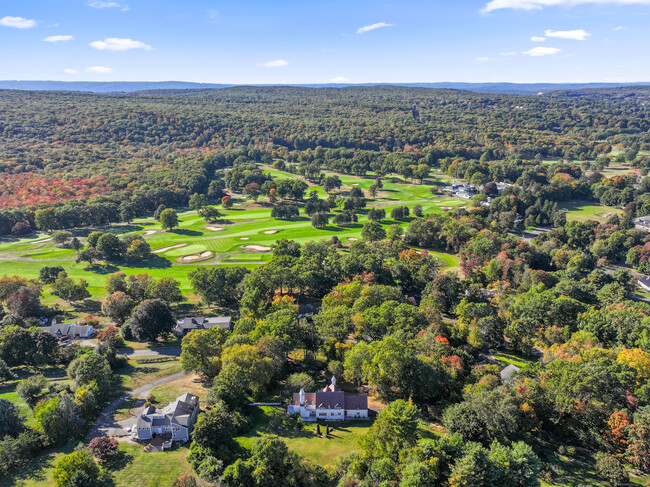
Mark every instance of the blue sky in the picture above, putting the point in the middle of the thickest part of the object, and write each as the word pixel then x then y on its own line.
pixel 320 41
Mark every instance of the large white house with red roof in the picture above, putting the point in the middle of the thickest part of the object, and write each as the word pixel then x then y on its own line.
pixel 329 404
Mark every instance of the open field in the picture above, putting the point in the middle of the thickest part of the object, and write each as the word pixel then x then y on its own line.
pixel 240 237
pixel 588 210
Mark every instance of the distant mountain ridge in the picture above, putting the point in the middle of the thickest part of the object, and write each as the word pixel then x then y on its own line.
pixel 131 86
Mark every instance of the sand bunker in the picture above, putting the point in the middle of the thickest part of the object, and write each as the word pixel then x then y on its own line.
pixel 445 208
pixel 436 201
pixel 42 240
pixel 214 229
pixel 191 258
pixel 146 233
pixel 259 248
pixel 244 238
pixel 270 232
pixel 354 184
pixel 165 249
pixel 352 239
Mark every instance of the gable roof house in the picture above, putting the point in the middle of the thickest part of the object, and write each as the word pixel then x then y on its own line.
pixel 329 404
pixel 69 330
pixel 176 419
pixel 508 374
pixel 186 325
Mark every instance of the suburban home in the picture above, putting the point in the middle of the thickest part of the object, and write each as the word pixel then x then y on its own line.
pixel 329 404
pixel 507 374
pixel 644 282
pixel 174 421
pixel 642 223
pixel 70 330
pixel 185 325
pixel 305 311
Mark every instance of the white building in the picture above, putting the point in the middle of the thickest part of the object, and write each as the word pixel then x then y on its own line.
pixel 329 405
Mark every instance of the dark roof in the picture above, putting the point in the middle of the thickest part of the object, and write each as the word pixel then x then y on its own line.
pixel 304 309
pixel 332 400
pixel 644 280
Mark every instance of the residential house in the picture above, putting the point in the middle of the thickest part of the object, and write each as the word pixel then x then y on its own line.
pixel 329 404
pixel 305 311
pixel 185 325
pixel 642 223
pixel 644 283
pixel 175 420
pixel 69 330
pixel 508 374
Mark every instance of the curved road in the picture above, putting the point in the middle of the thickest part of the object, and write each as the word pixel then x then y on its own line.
pixel 106 426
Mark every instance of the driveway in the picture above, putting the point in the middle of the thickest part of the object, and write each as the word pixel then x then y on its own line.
pixel 107 426
pixel 142 352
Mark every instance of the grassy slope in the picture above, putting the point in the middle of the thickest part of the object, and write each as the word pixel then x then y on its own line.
pixel 243 225
pixel 583 211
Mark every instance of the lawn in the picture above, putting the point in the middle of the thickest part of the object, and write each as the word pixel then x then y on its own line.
pixel 169 391
pixel 322 451
pixel 229 239
pixel 8 392
pixel 514 358
pixel 588 210
pixel 134 375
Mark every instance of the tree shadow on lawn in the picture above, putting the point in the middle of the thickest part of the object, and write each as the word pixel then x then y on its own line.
pixel 87 306
pixel 34 469
pixel 155 260
pixel 119 229
pixel 186 232
pixel 101 268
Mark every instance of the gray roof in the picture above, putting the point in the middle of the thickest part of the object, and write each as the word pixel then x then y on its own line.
pixel 178 412
pixel 507 373
pixel 199 322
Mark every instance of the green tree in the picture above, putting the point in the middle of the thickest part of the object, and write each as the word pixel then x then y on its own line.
pixel 320 219
pixel 118 307
pixel 65 288
pixel 373 231
pixel 89 368
pixel 166 288
pixel 198 201
pixel 201 351
pixel 30 390
pixel 151 319
pixel 78 464
pixel 5 372
pixel 49 274
pixel 218 285
pixel 10 421
pixel 110 246
pixel 58 418
pixel 394 430
pixel 168 219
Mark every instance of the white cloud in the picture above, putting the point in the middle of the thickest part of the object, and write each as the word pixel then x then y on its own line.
pixel 107 4
pixel 576 35
pixel 620 27
pixel 511 53
pixel 278 63
pixel 117 44
pixel 58 39
pixel 99 69
pixel 17 22
pixel 483 59
pixel 540 4
pixel 213 15
pixel 538 39
pixel 339 79
pixel 368 28
pixel 542 51
pixel 70 71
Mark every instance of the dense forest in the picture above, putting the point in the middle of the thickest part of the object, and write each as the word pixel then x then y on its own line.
pixel 426 343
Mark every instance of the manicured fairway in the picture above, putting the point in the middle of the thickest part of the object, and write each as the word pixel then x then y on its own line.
pixel 243 236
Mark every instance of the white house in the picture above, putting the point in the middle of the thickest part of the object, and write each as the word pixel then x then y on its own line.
pixel 328 405
pixel 175 420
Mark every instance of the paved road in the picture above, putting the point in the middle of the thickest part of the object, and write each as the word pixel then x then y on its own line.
pixel 106 426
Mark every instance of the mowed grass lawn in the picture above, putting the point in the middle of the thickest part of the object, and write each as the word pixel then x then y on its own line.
pixel 322 451
pixel 588 210
pixel 229 239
